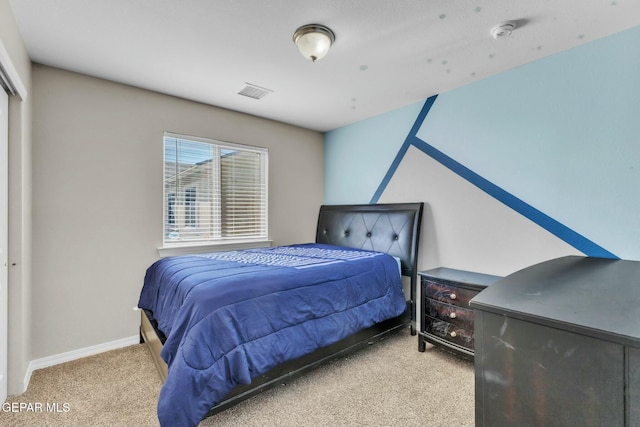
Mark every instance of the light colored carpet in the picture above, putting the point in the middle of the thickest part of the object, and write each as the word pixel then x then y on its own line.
pixel 388 384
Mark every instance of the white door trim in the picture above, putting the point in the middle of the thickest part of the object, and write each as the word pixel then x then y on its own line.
pixel 4 241
pixel 13 83
pixel 10 75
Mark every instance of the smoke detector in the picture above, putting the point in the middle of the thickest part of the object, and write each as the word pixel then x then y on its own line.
pixel 503 30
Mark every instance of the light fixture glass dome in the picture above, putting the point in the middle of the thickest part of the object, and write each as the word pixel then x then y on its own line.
pixel 313 41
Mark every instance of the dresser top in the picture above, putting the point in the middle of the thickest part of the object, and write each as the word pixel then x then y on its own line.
pixel 461 276
pixel 594 296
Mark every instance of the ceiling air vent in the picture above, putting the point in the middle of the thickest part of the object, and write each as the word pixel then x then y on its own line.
pixel 255 92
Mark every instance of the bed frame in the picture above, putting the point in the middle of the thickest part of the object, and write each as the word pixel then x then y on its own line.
pixel 390 228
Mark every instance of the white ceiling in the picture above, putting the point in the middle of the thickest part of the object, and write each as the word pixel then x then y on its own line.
pixel 387 53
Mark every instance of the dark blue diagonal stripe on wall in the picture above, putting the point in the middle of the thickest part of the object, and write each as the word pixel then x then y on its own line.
pixel 561 231
pixel 407 143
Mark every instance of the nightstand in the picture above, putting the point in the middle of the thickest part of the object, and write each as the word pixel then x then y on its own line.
pixel 446 318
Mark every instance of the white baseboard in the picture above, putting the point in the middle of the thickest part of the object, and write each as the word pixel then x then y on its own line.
pixel 56 359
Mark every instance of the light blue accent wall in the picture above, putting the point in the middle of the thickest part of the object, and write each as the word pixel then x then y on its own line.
pixel 562 134
pixel 358 156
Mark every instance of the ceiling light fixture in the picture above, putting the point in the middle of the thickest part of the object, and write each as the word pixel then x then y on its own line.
pixel 313 41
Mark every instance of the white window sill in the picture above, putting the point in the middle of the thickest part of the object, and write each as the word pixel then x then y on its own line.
pixel 199 248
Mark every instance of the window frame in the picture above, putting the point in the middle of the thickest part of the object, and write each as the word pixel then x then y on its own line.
pixel 170 248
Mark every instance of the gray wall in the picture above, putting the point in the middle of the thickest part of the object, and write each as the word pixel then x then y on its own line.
pixel 97 191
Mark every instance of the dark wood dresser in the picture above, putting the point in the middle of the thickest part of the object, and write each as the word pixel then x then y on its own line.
pixel 446 318
pixel 558 344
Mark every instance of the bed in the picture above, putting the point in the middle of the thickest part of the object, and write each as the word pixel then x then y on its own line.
pixel 222 327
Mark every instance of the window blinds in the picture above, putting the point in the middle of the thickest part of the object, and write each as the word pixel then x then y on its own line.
pixel 213 190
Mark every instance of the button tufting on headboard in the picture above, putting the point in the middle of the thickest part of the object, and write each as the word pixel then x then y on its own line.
pixel 391 228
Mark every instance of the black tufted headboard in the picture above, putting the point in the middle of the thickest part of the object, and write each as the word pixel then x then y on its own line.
pixel 391 228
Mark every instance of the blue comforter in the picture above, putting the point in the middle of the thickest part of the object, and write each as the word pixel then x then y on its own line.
pixel 231 316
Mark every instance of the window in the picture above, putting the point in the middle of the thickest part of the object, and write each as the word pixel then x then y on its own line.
pixel 213 191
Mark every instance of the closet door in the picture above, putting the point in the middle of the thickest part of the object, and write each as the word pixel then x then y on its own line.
pixel 4 208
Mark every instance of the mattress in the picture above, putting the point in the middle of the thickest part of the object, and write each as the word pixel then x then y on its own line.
pixel 231 316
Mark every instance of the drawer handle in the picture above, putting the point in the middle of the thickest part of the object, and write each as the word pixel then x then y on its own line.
pixel 452 315
pixel 453 334
pixel 453 296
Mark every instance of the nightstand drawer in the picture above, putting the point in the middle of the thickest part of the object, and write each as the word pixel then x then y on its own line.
pixel 448 293
pixel 450 332
pixel 450 313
